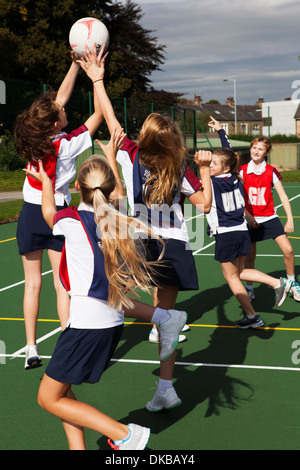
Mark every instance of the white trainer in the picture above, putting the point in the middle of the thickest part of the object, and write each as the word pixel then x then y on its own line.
pixel 154 337
pixel 168 399
pixel 169 333
pixel 295 290
pixel 136 440
pixel 32 359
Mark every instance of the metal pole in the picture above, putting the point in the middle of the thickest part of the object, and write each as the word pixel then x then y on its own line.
pixel 234 97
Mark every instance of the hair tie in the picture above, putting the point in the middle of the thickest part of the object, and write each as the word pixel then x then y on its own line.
pixel 97 187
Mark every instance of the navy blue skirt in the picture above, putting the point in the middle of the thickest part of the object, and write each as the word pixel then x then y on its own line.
pixel 271 229
pixel 82 355
pixel 179 267
pixel 232 245
pixel 33 233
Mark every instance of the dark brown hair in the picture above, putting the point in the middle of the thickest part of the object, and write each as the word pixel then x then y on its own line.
pixel 35 128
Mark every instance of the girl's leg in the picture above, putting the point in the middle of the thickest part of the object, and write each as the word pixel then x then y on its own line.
pixel 250 260
pixel 57 399
pixel 288 254
pixel 74 433
pixel 32 264
pixel 166 299
pixel 253 275
pixel 63 301
pixel 231 273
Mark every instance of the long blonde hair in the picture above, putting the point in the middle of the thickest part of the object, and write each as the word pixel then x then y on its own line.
pixel 161 150
pixel 126 268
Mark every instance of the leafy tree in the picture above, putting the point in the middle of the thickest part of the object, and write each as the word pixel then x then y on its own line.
pixel 34 42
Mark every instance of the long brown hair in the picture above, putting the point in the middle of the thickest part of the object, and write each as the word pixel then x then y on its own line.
pixel 125 267
pixel 35 128
pixel 161 151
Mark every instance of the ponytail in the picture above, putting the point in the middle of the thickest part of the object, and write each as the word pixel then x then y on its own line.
pixel 126 268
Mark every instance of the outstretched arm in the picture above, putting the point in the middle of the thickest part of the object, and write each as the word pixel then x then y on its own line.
pixel 94 67
pixel 66 88
pixel 214 124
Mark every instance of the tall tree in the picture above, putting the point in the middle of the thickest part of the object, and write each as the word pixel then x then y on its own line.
pixel 34 42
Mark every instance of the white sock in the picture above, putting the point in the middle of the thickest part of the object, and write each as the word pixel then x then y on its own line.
pixel 163 385
pixel 291 278
pixel 249 287
pixel 250 317
pixel 160 316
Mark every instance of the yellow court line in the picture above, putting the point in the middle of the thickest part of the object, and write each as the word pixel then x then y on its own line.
pixel 191 325
pixel 8 240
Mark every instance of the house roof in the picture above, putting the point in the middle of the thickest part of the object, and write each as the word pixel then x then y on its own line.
pixel 224 112
pixel 297 114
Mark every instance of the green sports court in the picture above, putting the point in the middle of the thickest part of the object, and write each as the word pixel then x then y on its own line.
pixel 239 388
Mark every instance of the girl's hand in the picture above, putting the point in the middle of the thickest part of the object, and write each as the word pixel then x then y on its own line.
pixel 116 140
pixel 251 220
pixel 215 124
pixel 93 64
pixel 202 158
pixel 41 175
pixel 289 226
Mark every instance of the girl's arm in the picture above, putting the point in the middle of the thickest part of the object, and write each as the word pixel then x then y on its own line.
pixel 110 150
pixel 48 201
pixel 94 67
pixel 66 88
pixel 214 124
pixel 203 197
pixel 289 226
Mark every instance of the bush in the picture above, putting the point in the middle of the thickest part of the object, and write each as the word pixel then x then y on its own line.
pixel 9 158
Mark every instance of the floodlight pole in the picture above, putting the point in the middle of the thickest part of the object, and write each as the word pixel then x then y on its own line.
pixel 234 97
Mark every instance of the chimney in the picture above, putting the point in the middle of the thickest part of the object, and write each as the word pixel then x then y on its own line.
pixel 230 101
pixel 259 102
pixel 198 100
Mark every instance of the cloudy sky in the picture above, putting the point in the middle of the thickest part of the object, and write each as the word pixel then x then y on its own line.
pixel 256 42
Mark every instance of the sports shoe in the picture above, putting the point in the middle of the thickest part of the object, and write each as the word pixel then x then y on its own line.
pixel 137 439
pixel 169 333
pixel 167 400
pixel 281 292
pixel 250 322
pixel 154 337
pixel 295 290
pixel 33 359
pixel 250 293
pixel 185 328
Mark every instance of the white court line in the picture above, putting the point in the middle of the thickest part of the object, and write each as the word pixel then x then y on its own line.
pixel 202 364
pixel 15 354
pixel 192 364
pixel 22 282
pixel 20 351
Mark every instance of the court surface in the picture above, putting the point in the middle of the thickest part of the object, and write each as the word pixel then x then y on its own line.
pixel 240 388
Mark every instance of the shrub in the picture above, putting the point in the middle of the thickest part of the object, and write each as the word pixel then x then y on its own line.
pixel 9 158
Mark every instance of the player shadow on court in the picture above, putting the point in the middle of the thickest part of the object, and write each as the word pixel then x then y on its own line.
pixel 214 386
pixel 264 301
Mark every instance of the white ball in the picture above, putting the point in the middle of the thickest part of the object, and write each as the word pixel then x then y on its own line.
pixel 87 32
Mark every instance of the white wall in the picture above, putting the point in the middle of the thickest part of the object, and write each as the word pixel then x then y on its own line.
pixel 282 114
